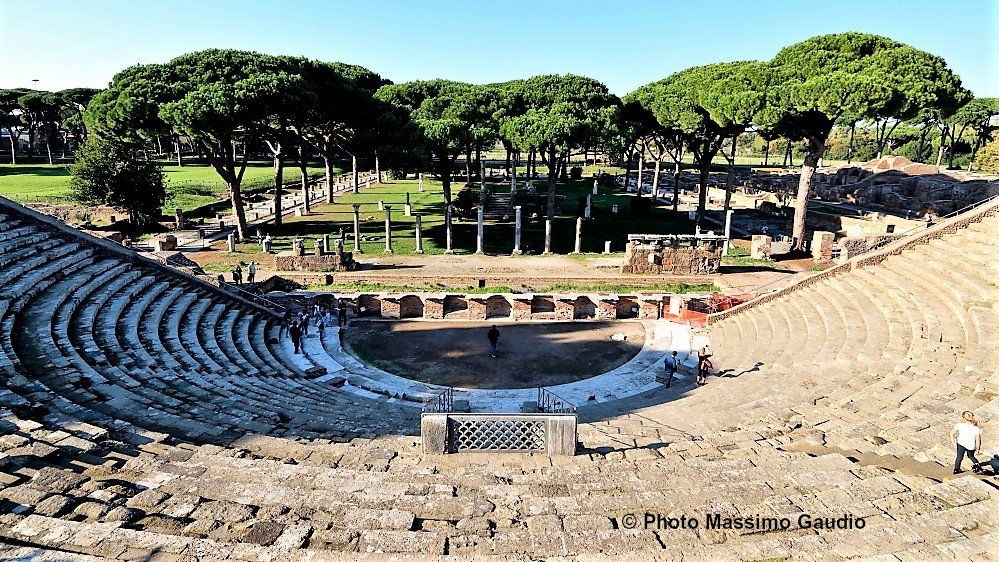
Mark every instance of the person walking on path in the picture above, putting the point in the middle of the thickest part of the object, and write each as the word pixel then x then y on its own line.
pixel 282 328
pixel 237 275
pixel 296 337
pixel 703 365
pixel 672 364
pixel 342 316
pixel 251 272
pixel 493 337
pixel 967 437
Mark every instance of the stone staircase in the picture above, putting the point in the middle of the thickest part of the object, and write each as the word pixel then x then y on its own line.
pixel 145 415
pixel 498 208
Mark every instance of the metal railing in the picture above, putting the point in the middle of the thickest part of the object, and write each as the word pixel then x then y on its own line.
pixel 251 296
pixel 551 403
pixel 442 403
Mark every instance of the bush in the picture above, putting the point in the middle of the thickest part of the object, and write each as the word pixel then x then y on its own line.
pixel 575 173
pixel 987 159
pixel 107 173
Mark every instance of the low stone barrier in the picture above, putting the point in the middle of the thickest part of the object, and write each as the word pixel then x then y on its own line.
pixel 503 306
pixel 449 432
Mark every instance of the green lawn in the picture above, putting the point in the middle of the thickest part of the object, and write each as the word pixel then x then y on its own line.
pixel 187 187
pixel 499 237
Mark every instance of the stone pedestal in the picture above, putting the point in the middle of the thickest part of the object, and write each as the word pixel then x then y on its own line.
pixel 760 247
pixel 326 243
pixel 381 205
pixel 421 183
pixel 607 246
pixel 728 232
pixel 822 245
pixel 231 242
pixel 178 219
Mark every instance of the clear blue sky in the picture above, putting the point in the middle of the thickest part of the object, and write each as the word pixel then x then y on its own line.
pixel 620 42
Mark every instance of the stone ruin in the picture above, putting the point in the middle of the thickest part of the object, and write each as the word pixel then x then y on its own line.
pixel 673 254
pixel 323 258
pixel 901 186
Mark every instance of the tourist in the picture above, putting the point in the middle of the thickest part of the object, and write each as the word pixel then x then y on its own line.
pixel 967 437
pixel 237 275
pixel 328 318
pixel 303 324
pixel 251 272
pixel 282 328
pixel 493 337
pixel 703 364
pixel 672 363
pixel 342 317
pixel 296 337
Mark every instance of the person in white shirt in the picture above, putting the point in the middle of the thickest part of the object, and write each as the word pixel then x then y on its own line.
pixel 967 437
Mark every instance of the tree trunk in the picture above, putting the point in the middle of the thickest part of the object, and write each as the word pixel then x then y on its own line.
pixel 468 166
pixel 328 163
pixel 849 150
pixel 815 149
pixel 159 146
pixel 730 180
pixel 13 147
pixel 954 135
pixel 236 197
pixel 508 159
pixel 32 128
pixel 704 165
pixel 676 183
pixel 641 168
pixel 448 219
pixel 48 144
pixel 627 165
pixel 180 161
pixel 303 166
pixel 940 151
pixel 552 175
pixel 655 179
pixel 766 153
pixel 278 187
pixel 356 179
pixel 922 143
pixel 787 152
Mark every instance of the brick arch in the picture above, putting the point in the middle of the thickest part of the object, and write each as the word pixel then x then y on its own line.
pixel 455 306
pixel 497 306
pixel 411 306
pixel 584 308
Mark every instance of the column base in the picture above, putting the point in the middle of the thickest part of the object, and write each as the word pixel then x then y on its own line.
pixel 388 252
pixel 448 251
pixel 417 251
pixel 517 253
pixel 358 251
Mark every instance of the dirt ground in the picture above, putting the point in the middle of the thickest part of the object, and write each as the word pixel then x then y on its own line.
pixel 530 354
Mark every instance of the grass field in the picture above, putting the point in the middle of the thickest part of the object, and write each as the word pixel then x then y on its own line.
pixel 187 187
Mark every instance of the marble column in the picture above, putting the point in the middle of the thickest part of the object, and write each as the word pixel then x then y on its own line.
pixel 479 232
pixel 388 229
pixel 578 248
pixel 548 236
pixel 516 233
pixel 419 235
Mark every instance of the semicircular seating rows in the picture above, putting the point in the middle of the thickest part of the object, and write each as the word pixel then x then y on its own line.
pixel 145 415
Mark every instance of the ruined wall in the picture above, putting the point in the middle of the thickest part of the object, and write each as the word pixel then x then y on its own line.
pixel 655 259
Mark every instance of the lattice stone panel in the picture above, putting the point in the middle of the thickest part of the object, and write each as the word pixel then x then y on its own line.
pixel 497 435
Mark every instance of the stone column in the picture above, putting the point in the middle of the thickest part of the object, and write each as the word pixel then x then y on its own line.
pixel 326 243
pixel 607 249
pixel 419 235
pixel 588 212
pixel 595 185
pixel 388 229
pixel 728 231
pixel 421 182
pixel 548 236
pixel 409 208
pixel 479 232
pixel 381 205
pixel 231 242
pixel 178 218
pixel 367 184
pixel 357 228
pixel 516 233
pixel 578 249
